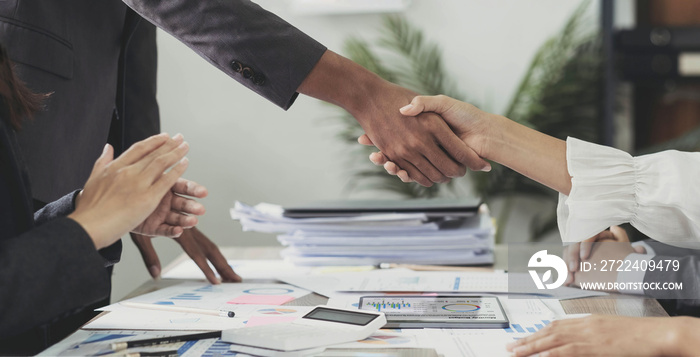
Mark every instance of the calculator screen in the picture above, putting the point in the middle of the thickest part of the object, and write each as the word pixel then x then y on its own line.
pixel 346 317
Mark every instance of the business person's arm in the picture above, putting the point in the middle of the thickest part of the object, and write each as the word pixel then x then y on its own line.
pixel 600 186
pixel 277 61
pixel 47 273
pixel 493 137
pixel 605 335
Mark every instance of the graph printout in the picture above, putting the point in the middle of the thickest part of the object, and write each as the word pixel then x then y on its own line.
pixel 436 308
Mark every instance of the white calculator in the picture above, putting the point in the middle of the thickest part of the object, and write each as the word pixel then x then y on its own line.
pixel 323 326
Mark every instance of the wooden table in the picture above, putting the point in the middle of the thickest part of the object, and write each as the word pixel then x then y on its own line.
pixel 613 304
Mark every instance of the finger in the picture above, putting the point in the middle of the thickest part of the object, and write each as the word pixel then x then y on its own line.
pixel 428 169
pixel 463 154
pixel 189 188
pixel 190 246
pixel 414 173
pixel 105 158
pixel 421 104
pixel 148 253
pixel 540 345
pixel 572 255
pixel 570 278
pixel 619 234
pixel 572 349
pixel 216 258
pixel 186 205
pixel 160 160
pixel 557 326
pixel 142 148
pixel 169 231
pixel 378 158
pixel 391 168
pixel 167 180
pixel 403 175
pixel 442 160
pixel 365 140
pixel 587 245
pixel 182 220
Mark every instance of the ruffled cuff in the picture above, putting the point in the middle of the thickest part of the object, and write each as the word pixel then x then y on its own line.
pixel 603 190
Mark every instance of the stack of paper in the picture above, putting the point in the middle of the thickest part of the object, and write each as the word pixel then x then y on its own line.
pixel 372 239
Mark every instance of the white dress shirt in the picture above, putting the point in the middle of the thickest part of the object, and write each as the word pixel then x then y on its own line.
pixel 658 194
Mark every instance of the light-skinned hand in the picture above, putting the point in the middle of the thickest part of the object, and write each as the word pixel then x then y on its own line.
pixel 603 335
pixel 121 193
pixel 198 247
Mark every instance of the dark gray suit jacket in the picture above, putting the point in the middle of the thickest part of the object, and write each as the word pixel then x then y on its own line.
pixel 49 267
pixel 687 301
pixel 98 59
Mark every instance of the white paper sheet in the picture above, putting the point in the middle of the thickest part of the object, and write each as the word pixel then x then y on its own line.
pixel 247 269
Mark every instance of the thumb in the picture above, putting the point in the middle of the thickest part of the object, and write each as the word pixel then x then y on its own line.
pixel 419 104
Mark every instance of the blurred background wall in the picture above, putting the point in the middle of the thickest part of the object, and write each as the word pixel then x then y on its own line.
pixel 245 148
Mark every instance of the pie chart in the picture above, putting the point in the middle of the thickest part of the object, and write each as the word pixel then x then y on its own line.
pixel 461 307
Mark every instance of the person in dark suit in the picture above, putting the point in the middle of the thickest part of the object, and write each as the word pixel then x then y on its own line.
pixel 49 260
pixel 99 59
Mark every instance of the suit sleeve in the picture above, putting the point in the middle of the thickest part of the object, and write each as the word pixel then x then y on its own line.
pixel 253 46
pixel 678 301
pixel 47 273
pixel 59 208
pixel 669 250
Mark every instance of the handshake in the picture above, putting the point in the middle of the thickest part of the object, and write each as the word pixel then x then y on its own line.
pixel 441 137
pixel 446 136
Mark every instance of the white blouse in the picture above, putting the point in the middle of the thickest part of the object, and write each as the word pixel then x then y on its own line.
pixel 659 194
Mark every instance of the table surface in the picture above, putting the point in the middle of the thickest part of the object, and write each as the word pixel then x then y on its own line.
pixel 612 304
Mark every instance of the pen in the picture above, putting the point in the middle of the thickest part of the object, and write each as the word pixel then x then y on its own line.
pixel 222 313
pixel 119 346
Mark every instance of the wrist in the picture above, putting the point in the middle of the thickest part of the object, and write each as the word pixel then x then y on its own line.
pixel 340 81
pixel 88 228
pixel 679 339
pixel 489 142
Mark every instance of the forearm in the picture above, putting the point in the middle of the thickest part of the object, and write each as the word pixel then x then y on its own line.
pixel 527 151
pixel 57 258
pixel 340 81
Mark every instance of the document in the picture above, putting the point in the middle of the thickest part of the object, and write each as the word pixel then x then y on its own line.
pixel 127 318
pixel 445 237
pixel 248 269
pixel 221 296
pixel 88 343
pixel 405 281
pixel 245 300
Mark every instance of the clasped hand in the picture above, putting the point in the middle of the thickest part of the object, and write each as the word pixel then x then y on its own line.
pixel 135 192
pixel 466 121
